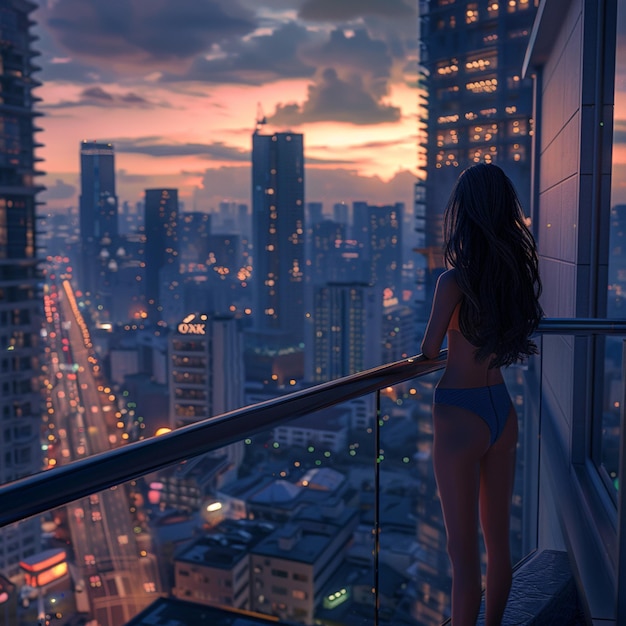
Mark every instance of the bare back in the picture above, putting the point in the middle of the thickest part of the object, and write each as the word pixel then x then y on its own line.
pixel 462 369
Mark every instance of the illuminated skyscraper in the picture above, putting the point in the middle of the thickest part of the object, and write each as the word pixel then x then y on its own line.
pixel 346 332
pixel 206 377
pixel 378 231
pixel 478 106
pixel 98 220
pixel 20 299
pixel 162 260
pixel 278 233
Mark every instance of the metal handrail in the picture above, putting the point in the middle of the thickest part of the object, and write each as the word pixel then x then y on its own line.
pixel 47 490
pixel 581 326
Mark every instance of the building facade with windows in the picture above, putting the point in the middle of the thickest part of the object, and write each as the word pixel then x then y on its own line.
pixel 98 215
pixel 477 108
pixel 345 331
pixel 162 259
pixel 20 296
pixel 278 233
pixel 206 376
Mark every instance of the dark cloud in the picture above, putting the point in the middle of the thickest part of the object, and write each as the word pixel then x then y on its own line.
pixel 71 72
pixel 339 10
pixel 369 145
pixel 256 59
pixel 58 191
pixel 97 93
pixel 98 97
pixel 155 32
pixel 153 146
pixel 337 100
pixel 358 52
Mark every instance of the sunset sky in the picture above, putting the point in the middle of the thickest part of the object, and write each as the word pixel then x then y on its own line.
pixel 175 85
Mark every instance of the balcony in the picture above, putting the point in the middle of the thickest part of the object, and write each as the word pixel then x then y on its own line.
pixel 344 528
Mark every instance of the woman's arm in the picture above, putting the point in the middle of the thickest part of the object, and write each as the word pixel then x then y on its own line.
pixel 447 296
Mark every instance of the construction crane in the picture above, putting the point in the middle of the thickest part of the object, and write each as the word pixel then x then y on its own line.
pixel 261 120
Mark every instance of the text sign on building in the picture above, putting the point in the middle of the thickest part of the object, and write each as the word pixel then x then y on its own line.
pixel 185 328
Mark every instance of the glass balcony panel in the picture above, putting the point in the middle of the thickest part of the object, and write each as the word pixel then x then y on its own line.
pixel 613 391
pixel 612 400
pixel 413 553
pixel 279 524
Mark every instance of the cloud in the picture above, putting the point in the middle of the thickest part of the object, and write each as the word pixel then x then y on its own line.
pixel 370 145
pixel 337 100
pixel 135 33
pixel 153 146
pixel 98 97
pixel 327 185
pixel 334 10
pixel 358 52
pixel 256 59
pixel 58 191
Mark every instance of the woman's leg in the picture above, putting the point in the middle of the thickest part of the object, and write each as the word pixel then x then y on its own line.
pixel 497 473
pixel 461 438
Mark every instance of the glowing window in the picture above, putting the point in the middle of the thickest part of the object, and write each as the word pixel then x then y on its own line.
pixel 471 13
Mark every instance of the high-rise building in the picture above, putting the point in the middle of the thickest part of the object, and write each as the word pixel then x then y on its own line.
pixel 479 107
pixel 314 213
pixel 194 232
pixel 346 330
pixel 278 233
pixel 206 376
pixel 378 230
pixel 325 248
pixel 98 220
pixel 20 447
pixel 340 213
pixel 161 251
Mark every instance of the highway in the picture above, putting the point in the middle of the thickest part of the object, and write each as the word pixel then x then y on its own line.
pixel 120 577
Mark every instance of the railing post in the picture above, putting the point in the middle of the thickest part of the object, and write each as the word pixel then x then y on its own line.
pixel 377 510
pixel 620 590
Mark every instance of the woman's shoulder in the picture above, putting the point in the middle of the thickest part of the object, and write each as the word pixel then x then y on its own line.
pixel 448 281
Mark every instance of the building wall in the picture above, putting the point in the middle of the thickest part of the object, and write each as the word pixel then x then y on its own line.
pixel 572 165
pixel 20 298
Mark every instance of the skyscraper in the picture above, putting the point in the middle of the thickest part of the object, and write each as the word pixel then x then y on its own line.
pixel 378 230
pixel 278 233
pixel 162 260
pixel 20 447
pixel 346 332
pixel 478 109
pixel 325 249
pixel 206 376
pixel 98 220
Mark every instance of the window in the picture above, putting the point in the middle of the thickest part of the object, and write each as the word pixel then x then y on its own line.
pixel 607 452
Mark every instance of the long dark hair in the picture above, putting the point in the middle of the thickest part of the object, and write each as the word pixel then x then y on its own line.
pixel 496 265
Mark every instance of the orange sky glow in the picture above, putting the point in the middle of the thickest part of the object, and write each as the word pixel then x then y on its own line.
pixel 201 127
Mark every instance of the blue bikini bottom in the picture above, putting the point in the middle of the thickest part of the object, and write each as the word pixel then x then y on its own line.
pixel 492 404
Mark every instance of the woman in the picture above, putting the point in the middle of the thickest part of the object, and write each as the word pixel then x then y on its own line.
pixel 488 305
